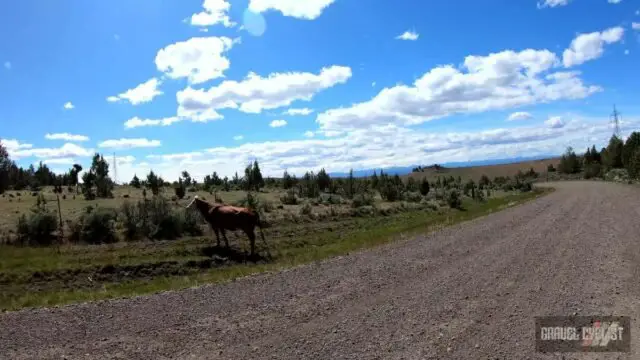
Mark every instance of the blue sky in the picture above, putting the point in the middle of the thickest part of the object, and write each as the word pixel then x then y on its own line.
pixel 201 85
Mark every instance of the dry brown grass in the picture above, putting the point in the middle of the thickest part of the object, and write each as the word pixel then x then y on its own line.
pixel 476 172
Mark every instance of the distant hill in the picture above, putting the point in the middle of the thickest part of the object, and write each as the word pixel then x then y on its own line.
pixel 407 170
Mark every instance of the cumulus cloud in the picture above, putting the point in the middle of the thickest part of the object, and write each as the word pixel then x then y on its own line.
pixel 198 59
pixel 13 145
pixel 614 1
pixel 387 145
pixel 278 123
pixel 302 111
pixel 497 81
pixel 135 122
pixel 214 12
pixel 60 161
pixel 635 26
pixel 408 35
pixel 238 137
pixel 519 115
pixel 142 93
pixel 552 3
pixel 309 134
pixel 68 105
pixel 555 122
pixel 590 46
pixel 256 93
pixel 66 137
pixel 307 10
pixel 129 143
pixel 66 150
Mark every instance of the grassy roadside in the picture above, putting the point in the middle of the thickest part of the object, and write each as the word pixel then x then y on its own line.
pixel 17 277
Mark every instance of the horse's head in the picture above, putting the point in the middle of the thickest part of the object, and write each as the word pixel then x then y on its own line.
pixel 199 204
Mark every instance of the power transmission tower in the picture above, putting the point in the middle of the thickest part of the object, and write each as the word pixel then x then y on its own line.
pixel 615 121
pixel 115 169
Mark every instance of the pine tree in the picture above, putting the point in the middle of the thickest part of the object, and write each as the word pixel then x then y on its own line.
pixel 424 186
pixel 135 182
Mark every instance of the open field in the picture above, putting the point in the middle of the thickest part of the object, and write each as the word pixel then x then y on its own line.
pixel 50 275
pixel 492 171
pixel 467 291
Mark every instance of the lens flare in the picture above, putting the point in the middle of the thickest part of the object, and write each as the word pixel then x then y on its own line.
pixel 254 23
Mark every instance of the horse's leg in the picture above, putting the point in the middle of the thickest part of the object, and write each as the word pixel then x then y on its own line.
pixel 224 234
pixel 217 235
pixel 252 240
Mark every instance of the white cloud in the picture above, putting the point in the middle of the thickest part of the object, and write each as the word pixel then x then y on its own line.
pixel 278 123
pixel 66 137
pixel 238 137
pixel 60 161
pixel 307 10
pixel 135 122
pixel 68 105
pixel 198 59
pixel 7 65
pixel 626 52
pixel 590 46
pixel 519 115
pixel 635 26
pixel 255 93
pixel 302 111
pixel 408 35
pixel 383 146
pixel 66 150
pixel 552 3
pixel 215 12
pixel 555 122
pixel 497 81
pixel 309 134
pixel 614 1
pixel 13 145
pixel 129 143
pixel 142 93
pixel 373 84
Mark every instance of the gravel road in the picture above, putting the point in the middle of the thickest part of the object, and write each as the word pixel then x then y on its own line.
pixel 470 291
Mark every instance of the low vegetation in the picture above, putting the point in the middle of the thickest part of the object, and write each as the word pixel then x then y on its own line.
pixel 73 241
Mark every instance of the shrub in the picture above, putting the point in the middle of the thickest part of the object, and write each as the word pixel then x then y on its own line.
pixel 192 189
pixel 330 199
pixel 413 197
pixel 130 218
pixel 306 209
pixel 363 199
pixel 249 201
pixel 179 190
pixel 160 220
pixel 289 198
pixel 37 228
pixel 363 211
pixel 191 221
pixel 430 204
pixel 453 199
pixel 96 227
pixel 266 206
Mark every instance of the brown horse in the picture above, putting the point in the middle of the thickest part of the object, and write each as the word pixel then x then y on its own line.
pixel 226 217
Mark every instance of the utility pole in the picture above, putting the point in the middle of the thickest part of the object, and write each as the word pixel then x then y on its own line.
pixel 115 169
pixel 615 121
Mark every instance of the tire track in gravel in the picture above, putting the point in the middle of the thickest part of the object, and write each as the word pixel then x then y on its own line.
pixel 469 291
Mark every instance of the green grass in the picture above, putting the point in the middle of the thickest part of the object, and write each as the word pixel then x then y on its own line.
pixel 292 250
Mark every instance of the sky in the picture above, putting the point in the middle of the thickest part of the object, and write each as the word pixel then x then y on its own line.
pixel 211 85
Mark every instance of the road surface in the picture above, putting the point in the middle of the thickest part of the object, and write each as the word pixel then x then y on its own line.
pixel 470 291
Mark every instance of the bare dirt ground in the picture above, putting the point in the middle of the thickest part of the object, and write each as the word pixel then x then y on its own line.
pixel 470 291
